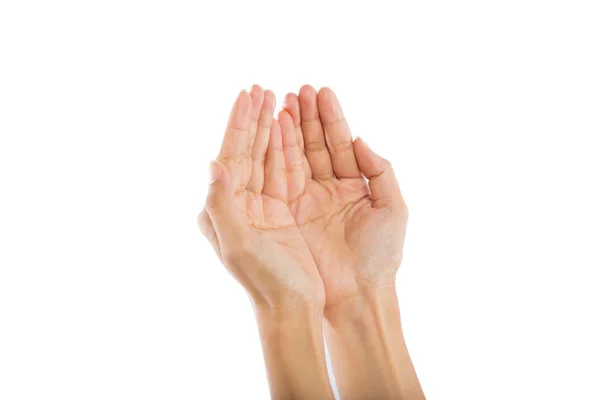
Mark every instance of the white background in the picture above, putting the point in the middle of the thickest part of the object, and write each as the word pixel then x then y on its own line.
pixel 110 112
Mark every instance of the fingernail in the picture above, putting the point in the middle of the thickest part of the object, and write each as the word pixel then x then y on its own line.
pixel 215 172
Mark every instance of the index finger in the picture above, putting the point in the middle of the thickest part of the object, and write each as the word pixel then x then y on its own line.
pixel 337 135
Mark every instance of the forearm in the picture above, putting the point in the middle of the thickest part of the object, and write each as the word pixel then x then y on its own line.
pixel 368 352
pixel 294 353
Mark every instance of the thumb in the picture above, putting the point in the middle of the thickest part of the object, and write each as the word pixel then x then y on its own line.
pixel 385 191
pixel 220 206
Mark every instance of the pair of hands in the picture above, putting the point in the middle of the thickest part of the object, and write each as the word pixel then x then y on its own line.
pixel 299 213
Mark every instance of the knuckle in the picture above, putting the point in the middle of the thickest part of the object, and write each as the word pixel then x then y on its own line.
pixel 258 157
pixel 291 145
pixel 384 167
pixel 313 147
pixel 341 147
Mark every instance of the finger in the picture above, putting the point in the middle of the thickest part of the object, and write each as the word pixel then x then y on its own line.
pixel 315 146
pixel 291 104
pixel 385 191
pixel 261 143
pixel 221 209
pixel 296 180
pixel 208 231
pixel 275 173
pixel 234 149
pixel 257 96
pixel 337 135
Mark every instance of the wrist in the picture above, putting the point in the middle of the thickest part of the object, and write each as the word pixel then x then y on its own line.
pixel 370 299
pixel 364 330
pixel 292 341
pixel 282 327
pixel 286 309
pixel 278 302
pixel 307 314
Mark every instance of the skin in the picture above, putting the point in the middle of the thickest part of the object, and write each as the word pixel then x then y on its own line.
pixel 348 206
pixel 354 229
pixel 247 220
pixel 246 217
pixel 312 224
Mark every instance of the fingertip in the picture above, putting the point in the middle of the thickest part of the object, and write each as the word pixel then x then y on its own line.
pixel 268 107
pixel 256 89
pixel 370 163
pixel 325 93
pixel 257 95
pixel 282 115
pixel 269 98
pixel 329 106
pixel 307 90
pixel 362 152
pixel 285 120
pixel 244 101
pixel 289 99
pixel 360 143
pixel 256 92
pixel 241 111
pixel 307 98
pixel 243 93
pixel 292 106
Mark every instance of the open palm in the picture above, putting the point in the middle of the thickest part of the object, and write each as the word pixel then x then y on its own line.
pixel 246 217
pixel 353 228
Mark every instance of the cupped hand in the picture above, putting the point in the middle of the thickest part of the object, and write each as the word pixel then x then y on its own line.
pixel 246 216
pixel 344 198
